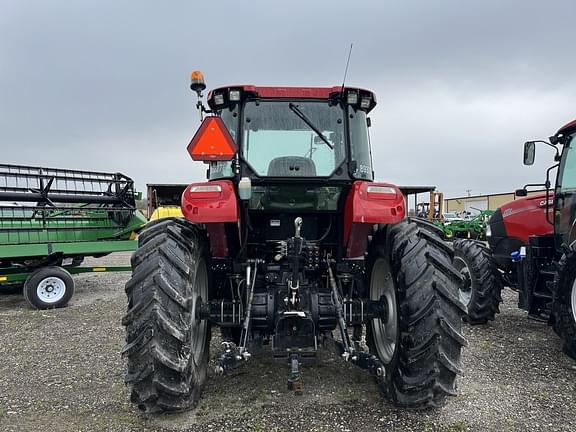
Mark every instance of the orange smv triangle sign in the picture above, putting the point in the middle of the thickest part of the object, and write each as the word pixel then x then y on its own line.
pixel 212 142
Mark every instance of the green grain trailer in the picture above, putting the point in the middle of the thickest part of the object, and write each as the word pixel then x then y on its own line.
pixel 50 219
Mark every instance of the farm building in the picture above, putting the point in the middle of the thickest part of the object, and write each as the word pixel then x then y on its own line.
pixel 474 203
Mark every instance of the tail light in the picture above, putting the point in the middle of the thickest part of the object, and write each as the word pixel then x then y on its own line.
pixel 205 191
pixel 381 192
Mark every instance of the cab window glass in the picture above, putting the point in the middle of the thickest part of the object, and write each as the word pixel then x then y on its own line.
pixel 278 142
pixel 223 169
pixel 568 168
pixel 359 145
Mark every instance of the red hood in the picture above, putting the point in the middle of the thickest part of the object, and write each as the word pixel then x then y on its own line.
pixel 525 217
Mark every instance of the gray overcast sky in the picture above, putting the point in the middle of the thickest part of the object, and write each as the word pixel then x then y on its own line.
pixel 460 84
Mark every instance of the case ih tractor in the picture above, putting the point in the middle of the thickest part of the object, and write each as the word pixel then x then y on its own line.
pixel 289 242
pixel 532 250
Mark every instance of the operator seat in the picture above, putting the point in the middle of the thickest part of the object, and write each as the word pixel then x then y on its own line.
pixel 295 197
pixel 292 166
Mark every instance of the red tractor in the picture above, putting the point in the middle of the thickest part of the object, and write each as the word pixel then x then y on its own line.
pixel 531 250
pixel 289 241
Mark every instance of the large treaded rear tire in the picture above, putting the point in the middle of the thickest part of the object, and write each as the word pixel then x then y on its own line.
pixel 481 291
pixel 422 365
pixel 565 322
pixel 166 346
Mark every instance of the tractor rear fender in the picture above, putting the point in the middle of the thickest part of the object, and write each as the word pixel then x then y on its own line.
pixel 367 204
pixel 213 204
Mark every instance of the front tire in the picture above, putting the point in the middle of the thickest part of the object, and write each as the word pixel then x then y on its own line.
pixel 420 341
pixel 166 343
pixel 482 287
pixel 565 323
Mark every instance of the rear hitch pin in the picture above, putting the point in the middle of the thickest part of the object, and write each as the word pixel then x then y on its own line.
pixel 295 379
pixel 298 226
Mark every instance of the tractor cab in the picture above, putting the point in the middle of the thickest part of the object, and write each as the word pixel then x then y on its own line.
pixel 563 201
pixel 288 152
pixel 565 191
pixel 312 133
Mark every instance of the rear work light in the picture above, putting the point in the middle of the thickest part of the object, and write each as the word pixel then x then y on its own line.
pixel 365 102
pixel 234 95
pixel 352 98
pixel 219 99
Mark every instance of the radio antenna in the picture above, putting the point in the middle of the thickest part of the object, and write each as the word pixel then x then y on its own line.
pixel 346 70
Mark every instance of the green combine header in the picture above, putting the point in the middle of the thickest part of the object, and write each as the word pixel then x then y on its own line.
pixel 50 219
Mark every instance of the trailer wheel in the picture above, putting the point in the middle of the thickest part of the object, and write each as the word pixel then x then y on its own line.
pixel 482 287
pixel 420 341
pixel 49 288
pixel 565 307
pixel 166 342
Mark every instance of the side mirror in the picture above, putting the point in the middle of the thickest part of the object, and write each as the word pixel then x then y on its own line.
pixel 529 152
pixel 521 192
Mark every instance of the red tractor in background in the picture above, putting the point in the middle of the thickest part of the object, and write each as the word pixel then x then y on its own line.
pixel 532 249
pixel 288 241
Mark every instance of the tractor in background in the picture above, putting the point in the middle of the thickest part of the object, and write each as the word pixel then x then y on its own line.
pixel 532 249
pixel 288 242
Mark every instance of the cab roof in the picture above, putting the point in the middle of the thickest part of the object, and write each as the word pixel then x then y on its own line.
pixel 281 92
pixel 567 128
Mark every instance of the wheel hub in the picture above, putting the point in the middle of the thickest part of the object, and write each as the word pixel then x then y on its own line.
pixel 465 291
pixel 385 331
pixel 198 326
pixel 51 289
pixel 573 300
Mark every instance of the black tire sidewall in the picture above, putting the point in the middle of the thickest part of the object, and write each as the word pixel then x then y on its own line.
pixel 176 252
pixel 485 281
pixel 566 325
pixel 31 286
pixel 422 371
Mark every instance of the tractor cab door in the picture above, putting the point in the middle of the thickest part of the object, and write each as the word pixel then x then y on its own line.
pixel 565 196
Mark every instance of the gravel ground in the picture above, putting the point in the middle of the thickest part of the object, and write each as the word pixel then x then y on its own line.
pixel 61 371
